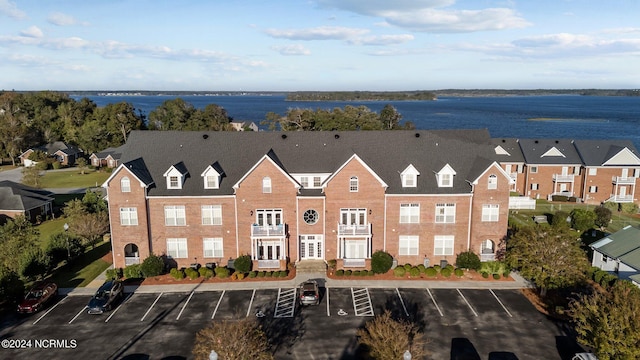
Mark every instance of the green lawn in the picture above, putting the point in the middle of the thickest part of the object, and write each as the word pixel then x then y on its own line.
pixel 50 227
pixel 73 179
pixel 84 269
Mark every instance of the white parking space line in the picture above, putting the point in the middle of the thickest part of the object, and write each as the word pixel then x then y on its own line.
pixel 286 303
pixel 465 300
pixel 402 302
pixel 217 305
pixel 251 303
pixel 48 311
pixel 78 314
pixel 501 304
pixel 362 302
pixel 328 311
pixel 151 307
pixel 122 303
pixel 435 303
pixel 184 306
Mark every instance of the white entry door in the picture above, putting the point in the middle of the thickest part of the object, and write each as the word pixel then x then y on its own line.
pixel 311 247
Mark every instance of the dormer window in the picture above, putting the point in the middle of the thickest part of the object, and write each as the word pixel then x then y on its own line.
pixel 175 176
pixel 125 184
pixel 445 176
pixel 409 176
pixel 493 182
pixel 211 178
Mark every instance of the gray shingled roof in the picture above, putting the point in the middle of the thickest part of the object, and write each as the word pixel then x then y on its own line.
pixel 597 152
pixel 115 152
pixel 18 197
pixel 151 153
pixel 533 149
pixel 510 145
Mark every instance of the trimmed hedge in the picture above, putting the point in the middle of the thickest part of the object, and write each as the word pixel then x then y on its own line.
pixel 222 272
pixel 431 271
pixel 153 265
pixel 381 262
pixel 133 271
pixel 468 260
pixel 446 272
pixel 414 272
pixel 177 274
pixel 458 272
pixel 205 272
pixel 399 271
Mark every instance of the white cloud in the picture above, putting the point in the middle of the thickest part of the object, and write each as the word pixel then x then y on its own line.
pixel 61 19
pixel 11 10
pixel 382 40
pixel 317 33
pixel 375 7
pixel 32 31
pixel 289 50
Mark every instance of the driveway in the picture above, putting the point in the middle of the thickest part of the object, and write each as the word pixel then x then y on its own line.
pixel 14 175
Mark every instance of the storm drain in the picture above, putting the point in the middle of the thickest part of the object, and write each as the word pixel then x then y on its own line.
pixel 362 302
pixel 286 303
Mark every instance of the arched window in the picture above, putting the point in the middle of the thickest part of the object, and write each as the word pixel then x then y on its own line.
pixel 125 184
pixel 353 184
pixel 493 182
pixel 266 185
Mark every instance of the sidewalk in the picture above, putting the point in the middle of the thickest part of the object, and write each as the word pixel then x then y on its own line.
pixel 518 283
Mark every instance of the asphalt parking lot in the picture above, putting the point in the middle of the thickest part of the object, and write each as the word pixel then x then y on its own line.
pixel 460 323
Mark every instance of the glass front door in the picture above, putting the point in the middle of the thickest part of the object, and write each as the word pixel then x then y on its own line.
pixel 311 247
pixel 268 250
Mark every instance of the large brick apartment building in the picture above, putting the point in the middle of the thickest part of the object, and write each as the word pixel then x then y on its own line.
pixel 285 197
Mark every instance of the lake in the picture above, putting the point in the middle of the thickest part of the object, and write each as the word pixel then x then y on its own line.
pixel 558 116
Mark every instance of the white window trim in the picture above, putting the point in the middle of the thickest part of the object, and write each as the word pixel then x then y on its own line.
pixel 410 176
pixel 215 247
pixel 449 216
pixel 174 173
pixel 211 214
pixel 408 245
pixel 593 189
pixel 445 176
pixel 492 182
pixel 210 173
pixel 354 184
pixel 125 185
pixel 490 212
pixel 446 242
pixel 173 212
pixel 410 213
pixel 129 216
pixel 177 248
pixel 266 185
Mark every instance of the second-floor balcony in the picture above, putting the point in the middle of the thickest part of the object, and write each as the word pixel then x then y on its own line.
pixel 354 230
pixel 563 178
pixel 624 180
pixel 622 198
pixel 268 230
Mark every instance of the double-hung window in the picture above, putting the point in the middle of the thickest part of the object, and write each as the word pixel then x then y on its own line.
pixel 128 216
pixel 493 182
pixel 409 213
pixel 212 247
pixel 211 215
pixel 353 184
pixel 443 245
pixel 445 213
pixel 177 248
pixel 490 212
pixel 408 245
pixel 125 184
pixel 174 215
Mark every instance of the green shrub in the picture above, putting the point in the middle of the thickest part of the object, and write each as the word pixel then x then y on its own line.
pixel 239 276
pixel 205 272
pixel 506 273
pixel 340 272
pixel 468 260
pixel 381 262
pixel 268 274
pixel 332 264
pixel 252 274
pixel 348 272
pixel 114 273
pixel 407 267
pixel 458 272
pixel 437 267
pixel 485 275
pixel 597 276
pixel 356 273
pixel 608 280
pixel 629 208
pixel 261 274
pixel 222 272
pixel 496 276
pixel 450 267
pixel 583 219
pixel 559 219
pixel 177 274
pixel 446 272
pixel 592 271
pixel 431 271
pixel 34 263
pixel 153 265
pixel 191 273
pixel 422 268
pixel 603 216
pixel 414 272
pixel 612 206
pixel 243 264
pixel 370 273
pixel 133 271
pixel 494 267
pixel 399 271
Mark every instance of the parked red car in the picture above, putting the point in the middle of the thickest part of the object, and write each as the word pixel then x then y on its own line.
pixel 38 297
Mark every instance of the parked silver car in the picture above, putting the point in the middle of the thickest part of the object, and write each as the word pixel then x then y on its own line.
pixel 309 293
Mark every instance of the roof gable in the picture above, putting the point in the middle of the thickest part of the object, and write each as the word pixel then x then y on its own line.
pixel 501 151
pixel 623 157
pixel 553 152
pixel 355 157
pixel 133 167
pixel 269 157
pixel 498 168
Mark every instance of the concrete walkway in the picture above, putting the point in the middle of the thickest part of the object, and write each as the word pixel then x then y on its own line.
pixel 518 283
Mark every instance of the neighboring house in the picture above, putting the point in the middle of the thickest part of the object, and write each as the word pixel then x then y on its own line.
pixel 619 253
pixel 17 199
pixel 241 126
pixel 109 157
pixel 287 197
pixel 64 153
pixel 510 157
pixel 612 168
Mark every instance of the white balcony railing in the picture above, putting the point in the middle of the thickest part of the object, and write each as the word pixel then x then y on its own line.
pixel 563 178
pixel 268 264
pixel 624 180
pixel 131 260
pixel 354 230
pixel 622 198
pixel 487 257
pixel 267 230
pixel 353 262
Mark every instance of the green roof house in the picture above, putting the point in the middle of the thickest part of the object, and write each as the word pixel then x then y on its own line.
pixel 619 253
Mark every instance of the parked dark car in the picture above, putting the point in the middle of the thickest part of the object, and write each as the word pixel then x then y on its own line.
pixel 37 297
pixel 309 293
pixel 106 297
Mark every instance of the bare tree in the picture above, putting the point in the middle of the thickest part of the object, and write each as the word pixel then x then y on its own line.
pixel 231 339
pixel 388 339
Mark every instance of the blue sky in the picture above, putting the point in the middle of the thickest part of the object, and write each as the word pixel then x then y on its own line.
pixel 287 45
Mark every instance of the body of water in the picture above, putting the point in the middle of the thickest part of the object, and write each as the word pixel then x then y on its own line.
pixel 560 116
